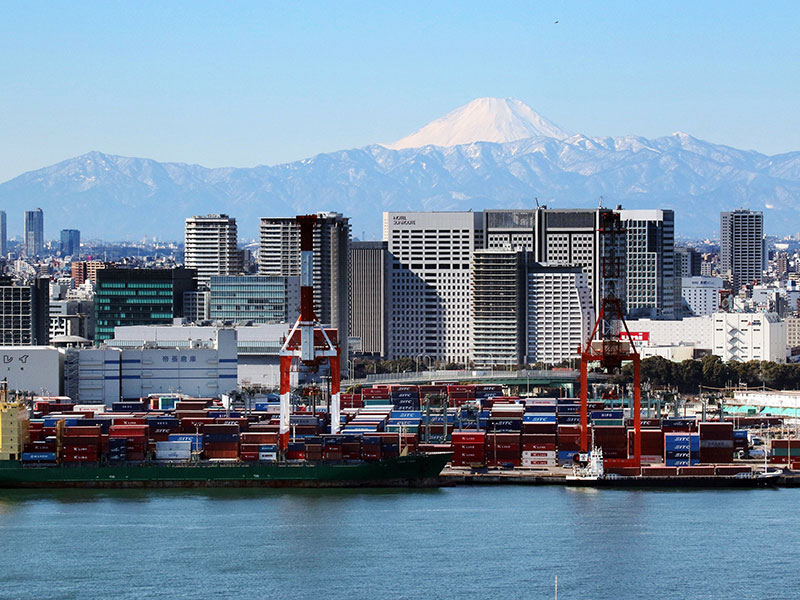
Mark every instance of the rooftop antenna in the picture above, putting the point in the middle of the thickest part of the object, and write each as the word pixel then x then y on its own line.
pixel 601 203
pixel 537 201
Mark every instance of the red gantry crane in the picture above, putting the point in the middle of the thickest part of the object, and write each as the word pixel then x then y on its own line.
pixel 308 342
pixel 610 342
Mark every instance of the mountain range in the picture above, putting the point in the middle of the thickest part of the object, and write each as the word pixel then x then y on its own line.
pixel 491 153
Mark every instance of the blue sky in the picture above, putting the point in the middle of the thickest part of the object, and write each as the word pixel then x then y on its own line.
pixel 240 83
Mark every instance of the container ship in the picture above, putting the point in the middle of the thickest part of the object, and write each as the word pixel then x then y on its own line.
pixel 170 442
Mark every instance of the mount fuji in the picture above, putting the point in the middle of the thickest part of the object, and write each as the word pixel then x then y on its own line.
pixel 491 153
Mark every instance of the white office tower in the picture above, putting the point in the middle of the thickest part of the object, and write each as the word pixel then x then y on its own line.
pixel 650 280
pixel 742 247
pixel 742 337
pixel 431 287
pixel 279 254
pixel 498 307
pixel 211 247
pixel 560 314
pixel 701 294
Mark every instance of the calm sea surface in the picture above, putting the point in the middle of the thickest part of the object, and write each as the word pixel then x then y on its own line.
pixel 498 542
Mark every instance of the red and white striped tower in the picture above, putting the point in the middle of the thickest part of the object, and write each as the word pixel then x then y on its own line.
pixel 308 340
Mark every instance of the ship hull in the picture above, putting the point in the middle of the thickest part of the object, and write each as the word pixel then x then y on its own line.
pixel 405 471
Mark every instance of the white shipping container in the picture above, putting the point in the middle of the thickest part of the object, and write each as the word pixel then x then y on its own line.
pixel 268 456
pixel 535 462
pixel 539 454
pixel 173 450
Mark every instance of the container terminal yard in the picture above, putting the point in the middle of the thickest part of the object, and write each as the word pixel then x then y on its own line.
pixel 484 436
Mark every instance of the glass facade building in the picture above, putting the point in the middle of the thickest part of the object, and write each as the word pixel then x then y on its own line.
pixel 256 298
pixel 139 297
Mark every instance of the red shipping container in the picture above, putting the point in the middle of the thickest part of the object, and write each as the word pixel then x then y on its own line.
pixel 129 421
pixel 469 437
pixel 732 470
pixel 221 453
pixel 659 471
pixel 248 456
pixel 89 431
pixel 696 471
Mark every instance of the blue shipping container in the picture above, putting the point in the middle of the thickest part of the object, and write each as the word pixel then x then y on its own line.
pixel 39 456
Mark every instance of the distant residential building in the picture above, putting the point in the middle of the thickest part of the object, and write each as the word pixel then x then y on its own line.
pixel 70 242
pixel 24 313
pixel 139 297
pixel 83 270
pixel 34 232
pixel 701 294
pixel 688 262
pixel 3 234
pixel 256 298
pixel 211 246
pixel 742 255
pixel 651 286
pixel 370 268
pixel 743 337
pixel 792 332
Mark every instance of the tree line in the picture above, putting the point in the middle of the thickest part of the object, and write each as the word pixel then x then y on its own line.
pixel 687 376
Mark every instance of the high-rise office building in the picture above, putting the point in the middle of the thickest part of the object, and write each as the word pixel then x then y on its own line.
pixel 70 242
pixel 255 298
pixel 370 267
pixel 196 306
pixel 688 262
pixel 560 237
pixel 498 307
pixel 139 297
pixel 211 247
pixel 430 304
pixel 651 288
pixel 742 247
pixel 280 255
pixel 24 313
pixel 3 234
pixel 559 313
pixel 34 232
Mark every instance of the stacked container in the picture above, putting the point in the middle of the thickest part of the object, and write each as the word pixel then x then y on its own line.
pixel 681 449
pixel 469 448
pixel 613 440
pixel 506 418
pixel 716 442
pixel 220 440
pixel 135 437
pixel 81 444
pixel 785 451
pixel 503 449
pixel 652 445
pixel 173 451
pixel 405 397
pixel 457 395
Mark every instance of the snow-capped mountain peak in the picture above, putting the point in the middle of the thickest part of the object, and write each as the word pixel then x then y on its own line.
pixel 498 120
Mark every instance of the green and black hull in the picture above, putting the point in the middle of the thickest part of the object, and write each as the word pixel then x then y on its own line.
pixel 416 470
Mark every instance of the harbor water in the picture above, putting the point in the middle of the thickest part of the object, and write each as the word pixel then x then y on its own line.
pixel 471 542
